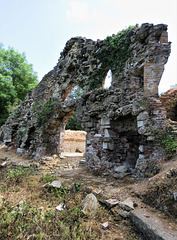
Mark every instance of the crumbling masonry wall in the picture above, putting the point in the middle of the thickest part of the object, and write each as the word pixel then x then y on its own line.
pixel 120 121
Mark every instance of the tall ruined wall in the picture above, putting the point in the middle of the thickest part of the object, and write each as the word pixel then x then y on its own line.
pixel 120 121
pixel 169 101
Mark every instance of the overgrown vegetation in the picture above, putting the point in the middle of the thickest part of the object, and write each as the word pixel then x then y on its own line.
pixel 159 194
pixel 44 110
pixel 73 123
pixel 113 54
pixel 115 50
pixel 28 210
pixel 17 78
pixel 167 140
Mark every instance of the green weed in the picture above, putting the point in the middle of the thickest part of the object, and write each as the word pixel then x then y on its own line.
pixel 47 178
pixel 167 140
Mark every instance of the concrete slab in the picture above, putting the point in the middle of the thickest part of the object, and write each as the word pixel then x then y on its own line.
pixel 152 227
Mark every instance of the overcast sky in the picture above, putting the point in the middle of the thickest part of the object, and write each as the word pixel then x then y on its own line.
pixel 40 28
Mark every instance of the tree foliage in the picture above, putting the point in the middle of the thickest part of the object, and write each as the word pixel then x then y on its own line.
pixel 17 78
pixel 73 123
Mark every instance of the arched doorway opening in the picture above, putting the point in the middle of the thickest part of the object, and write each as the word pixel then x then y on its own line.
pixel 73 138
pixel 72 135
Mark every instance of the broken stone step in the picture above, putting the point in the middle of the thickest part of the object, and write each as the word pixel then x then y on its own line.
pixel 151 226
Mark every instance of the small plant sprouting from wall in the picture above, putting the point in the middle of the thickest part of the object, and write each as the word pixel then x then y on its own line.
pixel 44 110
pixel 167 140
pixel 20 135
pixel 16 112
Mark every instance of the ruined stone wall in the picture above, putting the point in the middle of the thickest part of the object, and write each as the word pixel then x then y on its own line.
pixel 74 141
pixel 120 121
pixel 169 101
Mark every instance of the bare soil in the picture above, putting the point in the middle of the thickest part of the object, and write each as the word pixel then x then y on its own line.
pixel 155 193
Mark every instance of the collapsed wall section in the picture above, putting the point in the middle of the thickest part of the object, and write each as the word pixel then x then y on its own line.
pixel 120 121
pixel 121 132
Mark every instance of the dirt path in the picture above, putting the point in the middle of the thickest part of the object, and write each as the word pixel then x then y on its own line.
pixel 67 169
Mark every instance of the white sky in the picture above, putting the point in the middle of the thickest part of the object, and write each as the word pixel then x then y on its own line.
pixel 40 28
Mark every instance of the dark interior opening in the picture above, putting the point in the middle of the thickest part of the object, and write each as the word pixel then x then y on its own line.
pixel 126 140
pixel 31 136
pixel 175 113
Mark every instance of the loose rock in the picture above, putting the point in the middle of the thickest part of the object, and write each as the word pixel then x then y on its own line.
pixel 90 205
pixel 127 205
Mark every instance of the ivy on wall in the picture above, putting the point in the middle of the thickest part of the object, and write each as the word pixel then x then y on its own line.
pixel 113 54
pixel 44 110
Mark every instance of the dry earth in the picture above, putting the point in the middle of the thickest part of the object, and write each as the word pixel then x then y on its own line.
pixel 155 194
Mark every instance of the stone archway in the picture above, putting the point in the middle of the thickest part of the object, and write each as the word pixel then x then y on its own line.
pixel 39 127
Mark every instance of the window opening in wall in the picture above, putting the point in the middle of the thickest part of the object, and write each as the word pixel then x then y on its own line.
pixel 31 136
pixel 73 92
pixel 108 80
pixel 73 123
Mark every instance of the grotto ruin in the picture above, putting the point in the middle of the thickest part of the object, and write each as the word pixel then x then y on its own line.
pixel 120 121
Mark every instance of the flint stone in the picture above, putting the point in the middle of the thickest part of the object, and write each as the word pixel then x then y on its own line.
pixel 140 124
pixel 142 116
pixel 121 169
pixel 92 158
pixel 4 164
pixel 82 162
pixel 97 135
pixel 123 213
pixel 127 205
pixel 19 151
pixel 105 225
pixel 56 184
pixel 21 203
pixel 120 175
pixel 111 203
pixel 105 121
pixel 90 205
pixel 175 196
pixel 47 158
pixel 60 207
pixel 141 148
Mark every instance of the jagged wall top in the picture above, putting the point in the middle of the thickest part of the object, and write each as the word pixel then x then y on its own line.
pixel 81 63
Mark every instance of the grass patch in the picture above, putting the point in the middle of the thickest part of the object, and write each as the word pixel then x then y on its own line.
pixel 28 210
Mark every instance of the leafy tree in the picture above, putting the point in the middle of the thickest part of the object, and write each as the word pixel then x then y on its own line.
pixel 7 97
pixel 17 78
pixel 73 123
pixel 75 93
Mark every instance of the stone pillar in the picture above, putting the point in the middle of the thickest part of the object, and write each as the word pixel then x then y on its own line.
pixel 152 75
pixel 153 70
pixel 164 37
